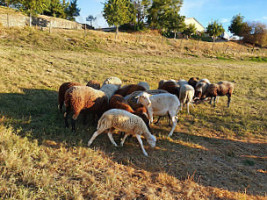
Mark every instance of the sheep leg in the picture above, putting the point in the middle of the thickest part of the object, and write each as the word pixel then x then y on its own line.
pixel 181 106
pixel 138 137
pixel 60 106
pixel 123 139
pixel 110 135
pixel 66 117
pixel 188 108
pixel 229 100
pixel 214 99
pixel 93 137
pixel 73 119
pixel 174 122
pixel 210 100
pixel 158 120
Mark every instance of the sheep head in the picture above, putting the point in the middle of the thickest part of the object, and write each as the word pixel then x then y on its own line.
pixel 151 140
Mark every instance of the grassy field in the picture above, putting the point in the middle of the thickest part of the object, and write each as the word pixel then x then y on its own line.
pixel 214 153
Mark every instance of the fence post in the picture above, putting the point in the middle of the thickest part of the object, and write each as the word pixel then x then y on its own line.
pixel 50 26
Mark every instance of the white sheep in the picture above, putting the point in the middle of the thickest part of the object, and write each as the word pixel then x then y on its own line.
pixel 182 82
pixel 109 89
pixel 125 122
pixel 144 84
pixel 161 105
pixel 113 80
pixel 186 95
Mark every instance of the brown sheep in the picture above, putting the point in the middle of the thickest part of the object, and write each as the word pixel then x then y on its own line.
pixel 94 84
pixel 117 101
pixel 222 88
pixel 80 98
pixel 171 87
pixel 129 89
pixel 61 92
pixel 193 81
pixel 201 88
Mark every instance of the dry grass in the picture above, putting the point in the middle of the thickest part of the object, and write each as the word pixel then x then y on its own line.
pixel 215 153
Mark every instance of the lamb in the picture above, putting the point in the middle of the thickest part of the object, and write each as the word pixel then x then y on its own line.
pixel 144 84
pixel 61 92
pixel 129 89
pixel 113 80
pixel 161 82
pixel 161 105
pixel 126 122
pixel 182 82
pixel 193 81
pixel 222 88
pixel 80 98
pixel 201 87
pixel 94 84
pixel 117 101
pixel 186 96
pixel 171 87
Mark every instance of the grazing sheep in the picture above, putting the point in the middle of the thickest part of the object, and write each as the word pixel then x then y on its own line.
pixel 144 84
pixel 171 87
pixel 193 81
pixel 94 84
pixel 117 101
pixel 186 96
pixel 129 89
pixel 125 122
pixel 161 105
pixel 61 92
pixel 80 98
pixel 182 82
pixel 113 80
pixel 109 90
pixel 201 87
pixel 161 82
pixel 222 88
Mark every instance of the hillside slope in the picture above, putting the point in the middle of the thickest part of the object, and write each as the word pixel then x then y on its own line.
pixel 215 153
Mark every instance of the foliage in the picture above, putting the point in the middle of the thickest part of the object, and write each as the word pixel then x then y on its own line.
pixel 190 30
pixel 118 12
pixel 257 34
pixel 90 19
pixel 57 8
pixel 215 29
pixel 72 10
pixel 174 22
pixel 140 10
pixel 238 26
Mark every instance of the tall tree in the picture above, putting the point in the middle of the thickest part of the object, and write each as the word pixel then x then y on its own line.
pixel 215 29
pixel 90 19
pixel 238 26
pixel 8 2
pixel 72 10
pixel 57 8
pixel 257 34
pixel 175 23
pixel 141 10
pixel 117 13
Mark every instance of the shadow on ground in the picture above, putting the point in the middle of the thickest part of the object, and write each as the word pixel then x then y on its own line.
pixel 222 163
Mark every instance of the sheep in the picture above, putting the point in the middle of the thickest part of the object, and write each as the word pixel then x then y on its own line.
pixel 171 87
pixel 161 105
pixel 129 89
pixel 61 92
pixel 193 81
pixel 126 122
pixel 117 101
pixel 144 84
pixel 186 95
pixel 80 98
pixel 94 84
pixel 161 82
pixel 201 87
pixel 113 80
pixel 182 82
pixel 222 88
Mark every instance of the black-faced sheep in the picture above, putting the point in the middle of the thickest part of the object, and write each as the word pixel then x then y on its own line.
pixel 61 92
pixel 125 122
pixel 193 81
pixel 201 87
pixel 161 105
pixel 222 88
pixel 129 89
pixel 94 84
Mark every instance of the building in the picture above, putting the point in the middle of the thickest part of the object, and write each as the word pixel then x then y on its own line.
pixel 192 20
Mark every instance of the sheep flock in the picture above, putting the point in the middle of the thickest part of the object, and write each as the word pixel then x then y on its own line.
pixel 130 109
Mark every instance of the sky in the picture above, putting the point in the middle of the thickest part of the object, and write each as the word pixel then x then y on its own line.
pixel 203 10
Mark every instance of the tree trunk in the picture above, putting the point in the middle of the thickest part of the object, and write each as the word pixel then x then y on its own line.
pixel 30 20
pixel 213 38
pixel 175 35
pixel 117 31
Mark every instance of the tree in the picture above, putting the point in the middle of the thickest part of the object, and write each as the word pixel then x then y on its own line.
pixel 141 10
pixel 175 23
pixel 8 3
pixel 57 8
pixel 90 19
pixel 190 30
pixel 215 29
pixel 72 10
pixel 33 7
pixel 117 13
pixel 238 26
pixel 257 34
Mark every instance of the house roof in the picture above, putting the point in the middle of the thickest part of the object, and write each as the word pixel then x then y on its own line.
pixel 198 25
